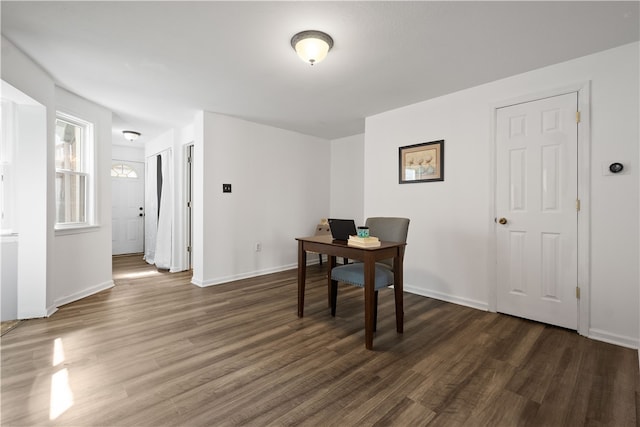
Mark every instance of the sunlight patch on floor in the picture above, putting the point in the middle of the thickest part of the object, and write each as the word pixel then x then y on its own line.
pixel 61 394
pixel 138 274
pixel 58 352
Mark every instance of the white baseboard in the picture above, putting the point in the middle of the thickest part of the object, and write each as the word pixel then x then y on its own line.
pixel 231 278
pixel 51 309
pixel 37 314
pixel 84 293
pixel 611 338
pixel 447 297
pixel 595 334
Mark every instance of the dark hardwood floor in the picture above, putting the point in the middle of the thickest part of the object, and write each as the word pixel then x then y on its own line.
pixel 156 350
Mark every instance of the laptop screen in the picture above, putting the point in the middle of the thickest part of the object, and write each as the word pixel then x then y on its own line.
pixel 341 229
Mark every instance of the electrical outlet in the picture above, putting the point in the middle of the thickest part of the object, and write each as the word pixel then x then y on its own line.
pixel 258 247
pixel 226 188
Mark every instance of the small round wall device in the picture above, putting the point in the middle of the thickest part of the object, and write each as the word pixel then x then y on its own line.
pixel 616 167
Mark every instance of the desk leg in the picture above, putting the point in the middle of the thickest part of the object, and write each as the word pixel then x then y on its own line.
pixel 398 288
pixel 331 263
pixel 369 291
pixel 302 276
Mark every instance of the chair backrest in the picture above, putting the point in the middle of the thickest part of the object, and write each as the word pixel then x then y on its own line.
pixel 390 229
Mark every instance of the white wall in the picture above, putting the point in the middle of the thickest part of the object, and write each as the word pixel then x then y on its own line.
pixel 8 278
pixel 280 190
pixel 54 269
pixel 82 258
pixel 347 178
pixel 449 252
pixel 127 153
pixel 34 190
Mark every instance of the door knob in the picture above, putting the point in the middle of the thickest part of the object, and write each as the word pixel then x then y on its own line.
pixel 502 221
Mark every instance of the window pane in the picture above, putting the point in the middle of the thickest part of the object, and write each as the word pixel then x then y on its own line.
pixel 74 170
pixel 71 193
pixel 69 141
pixel 123 171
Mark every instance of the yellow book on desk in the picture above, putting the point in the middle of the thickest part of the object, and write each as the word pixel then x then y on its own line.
pixel 364 242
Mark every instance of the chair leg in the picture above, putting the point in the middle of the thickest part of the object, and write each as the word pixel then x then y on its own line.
pixel 334 297
pixel 375 310
pixel 320 258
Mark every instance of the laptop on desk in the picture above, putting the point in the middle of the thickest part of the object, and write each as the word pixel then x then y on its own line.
pixel 341 229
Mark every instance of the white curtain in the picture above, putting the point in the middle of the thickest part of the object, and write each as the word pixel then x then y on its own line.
pixel 151 210
pixel 159 222
pixel 165 217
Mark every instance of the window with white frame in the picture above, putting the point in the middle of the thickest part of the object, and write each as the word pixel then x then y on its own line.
pixel 74 172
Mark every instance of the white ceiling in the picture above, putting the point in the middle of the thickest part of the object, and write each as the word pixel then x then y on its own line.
pixel 155 64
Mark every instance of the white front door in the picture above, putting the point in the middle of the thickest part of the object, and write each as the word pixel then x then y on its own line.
pixel 536 204
pixel 127 201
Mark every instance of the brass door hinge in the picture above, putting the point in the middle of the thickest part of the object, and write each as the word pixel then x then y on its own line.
pixel 577 292
pixel 578 205
pixel 577 116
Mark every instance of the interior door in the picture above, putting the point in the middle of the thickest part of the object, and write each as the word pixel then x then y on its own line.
pixel 127 201
pixel 189 194
pixel 536 204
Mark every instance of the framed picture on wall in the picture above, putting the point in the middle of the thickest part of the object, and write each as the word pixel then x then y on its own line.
pixel 422 162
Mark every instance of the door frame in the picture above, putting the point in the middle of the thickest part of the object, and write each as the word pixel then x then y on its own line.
pixel 143 177
pixel 189 150
pixel 583 90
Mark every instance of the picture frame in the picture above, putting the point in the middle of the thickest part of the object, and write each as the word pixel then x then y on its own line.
pixel 422 162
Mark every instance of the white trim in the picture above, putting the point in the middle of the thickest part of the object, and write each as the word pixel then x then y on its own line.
pixel 90 162
pixel 611 338
pixel 9 238
pixel 187 186
pixel 35 314
pixel 84 293
pixel 492 246
pixel 583 90
pixel 234 277
pixel 51 310
pixel 480 305
pixel 584 216
pixel 76 229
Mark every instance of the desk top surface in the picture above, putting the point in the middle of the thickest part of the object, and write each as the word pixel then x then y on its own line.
pixel 328 240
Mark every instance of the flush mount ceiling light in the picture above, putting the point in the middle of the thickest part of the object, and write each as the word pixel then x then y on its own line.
pixel 130 135
pixel 312 46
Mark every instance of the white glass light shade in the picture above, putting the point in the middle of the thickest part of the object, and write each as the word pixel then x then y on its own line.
pixel 312 46
pixel 130 135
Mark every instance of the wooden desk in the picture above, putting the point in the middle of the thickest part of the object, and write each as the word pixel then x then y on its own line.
pixel 326 245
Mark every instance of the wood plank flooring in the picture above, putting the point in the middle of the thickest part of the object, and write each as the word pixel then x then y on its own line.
pixel 157 351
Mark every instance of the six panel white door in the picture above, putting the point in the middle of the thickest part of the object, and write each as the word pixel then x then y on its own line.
pixel 536 195
pixel 127 199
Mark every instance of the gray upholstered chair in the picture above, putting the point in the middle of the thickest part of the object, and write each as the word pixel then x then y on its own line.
pixel 386 229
